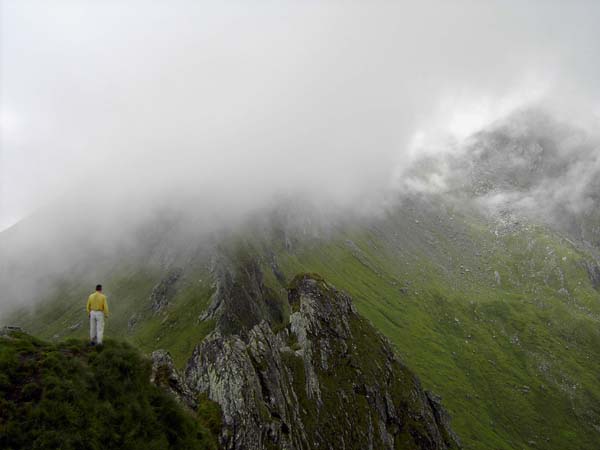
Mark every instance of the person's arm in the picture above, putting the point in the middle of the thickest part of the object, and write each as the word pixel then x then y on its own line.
pixel 105 307
pixel 87 307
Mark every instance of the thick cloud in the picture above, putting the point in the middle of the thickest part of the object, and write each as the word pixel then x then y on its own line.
pixel 131 102
pixel 530 164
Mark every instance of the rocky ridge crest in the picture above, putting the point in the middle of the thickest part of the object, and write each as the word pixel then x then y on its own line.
pixel 325 380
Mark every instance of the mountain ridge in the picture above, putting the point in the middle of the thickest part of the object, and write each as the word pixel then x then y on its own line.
pixel 325 380
pixel 492 307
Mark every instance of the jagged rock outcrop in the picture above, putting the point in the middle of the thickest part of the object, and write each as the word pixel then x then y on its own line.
pixel 7 330
pixel 242 300
pixel 166 375
pixel 593 270
pixel 326 380
pixel 164 291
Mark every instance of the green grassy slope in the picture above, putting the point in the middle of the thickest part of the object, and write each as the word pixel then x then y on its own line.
pixel 73 396
pixel 129 287
pixel 516 356
pixel 500 318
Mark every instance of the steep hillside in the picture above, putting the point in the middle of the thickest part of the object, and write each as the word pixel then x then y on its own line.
pixel 505 327
pixel 500 317
pixel 323 378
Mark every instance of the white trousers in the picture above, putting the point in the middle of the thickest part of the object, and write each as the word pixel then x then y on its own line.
pixel 96 326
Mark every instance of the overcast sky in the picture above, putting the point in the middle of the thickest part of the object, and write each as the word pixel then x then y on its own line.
pixel 126 101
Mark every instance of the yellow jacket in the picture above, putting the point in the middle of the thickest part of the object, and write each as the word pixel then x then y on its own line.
pixel 97 302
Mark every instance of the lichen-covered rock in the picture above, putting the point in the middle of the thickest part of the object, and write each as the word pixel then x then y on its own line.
pixel 328 380
pixel 165 375
pixel 251 384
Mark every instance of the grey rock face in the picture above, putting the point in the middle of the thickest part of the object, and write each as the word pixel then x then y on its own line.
pixel 593 270
pixel 251 384
pixel 7 330
pixel 241 299
pixel 133 321
pixel 165 375
pixel 327 380
pixel 164 291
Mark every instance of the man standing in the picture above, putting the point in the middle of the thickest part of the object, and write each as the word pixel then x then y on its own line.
pixel 97 309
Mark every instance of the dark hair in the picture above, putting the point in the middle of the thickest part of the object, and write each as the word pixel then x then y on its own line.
pixel 98 287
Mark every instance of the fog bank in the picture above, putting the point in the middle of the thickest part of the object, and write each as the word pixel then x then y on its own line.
pixel 134 103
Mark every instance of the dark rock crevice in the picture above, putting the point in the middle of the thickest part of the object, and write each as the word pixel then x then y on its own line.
pixel 242 300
